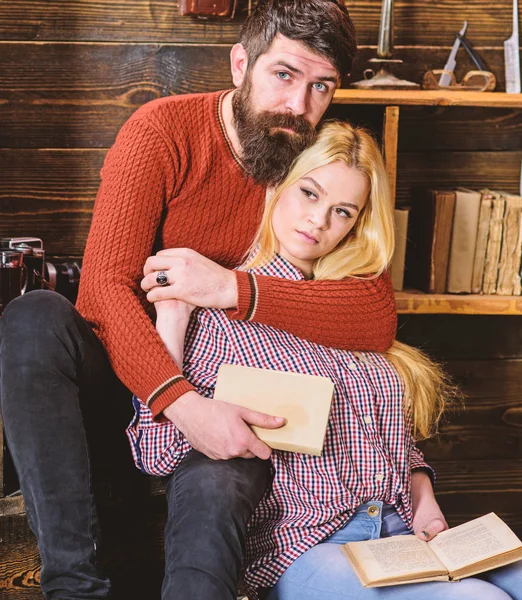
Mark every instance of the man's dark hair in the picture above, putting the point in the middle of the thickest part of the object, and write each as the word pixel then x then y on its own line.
pixel 323 26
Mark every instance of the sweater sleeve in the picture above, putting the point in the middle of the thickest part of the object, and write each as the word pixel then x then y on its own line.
pixel 350 314
pixel 138 176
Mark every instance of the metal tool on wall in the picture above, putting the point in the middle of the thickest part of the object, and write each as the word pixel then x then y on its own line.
pixel 512 56
pixel 480 80
pixel 383 79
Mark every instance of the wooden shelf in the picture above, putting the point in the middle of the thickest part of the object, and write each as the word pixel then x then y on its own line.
pixel 413 302
pixel 427 98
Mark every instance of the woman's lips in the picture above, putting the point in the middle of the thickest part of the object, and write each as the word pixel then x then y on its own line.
pixel 306 237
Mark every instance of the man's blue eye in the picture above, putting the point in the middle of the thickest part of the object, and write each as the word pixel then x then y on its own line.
pixel 321 87
pixel 283 75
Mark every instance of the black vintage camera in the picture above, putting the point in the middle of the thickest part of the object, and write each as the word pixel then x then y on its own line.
pixel 34 258
pixel 62 277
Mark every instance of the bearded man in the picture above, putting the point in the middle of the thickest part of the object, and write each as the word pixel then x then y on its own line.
pixel 186 172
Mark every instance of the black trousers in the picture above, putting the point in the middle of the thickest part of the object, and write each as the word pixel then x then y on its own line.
pixel 65 414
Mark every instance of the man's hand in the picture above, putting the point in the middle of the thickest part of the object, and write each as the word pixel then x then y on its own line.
pixel 192 278
pixel 218 429
pixel 428 519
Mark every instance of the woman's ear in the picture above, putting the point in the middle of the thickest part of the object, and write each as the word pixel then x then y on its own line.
pixel 238 64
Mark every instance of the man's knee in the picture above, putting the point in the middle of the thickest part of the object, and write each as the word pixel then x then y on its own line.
pixel 35 313
pixel 225 485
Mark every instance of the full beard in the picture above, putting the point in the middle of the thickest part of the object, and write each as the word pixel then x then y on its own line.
pixel 268 152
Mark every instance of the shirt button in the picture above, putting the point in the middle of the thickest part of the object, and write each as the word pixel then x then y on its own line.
pixel 352 366
pixel 373 510
pixel 379 477
pixel 367 419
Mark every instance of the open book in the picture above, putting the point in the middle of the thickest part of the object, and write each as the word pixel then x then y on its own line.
pixel 303 400
pixel 473 547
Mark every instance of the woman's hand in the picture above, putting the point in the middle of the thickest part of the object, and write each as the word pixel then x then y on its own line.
pixel 173 311
pixel 428 519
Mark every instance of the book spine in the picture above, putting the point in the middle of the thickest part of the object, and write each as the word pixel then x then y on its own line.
pixel 494 244
pixel 486 205
pixel 509 264
pixel 463 242
pixel 397 263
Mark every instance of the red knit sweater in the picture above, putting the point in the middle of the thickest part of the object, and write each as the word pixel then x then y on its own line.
pixel 172 180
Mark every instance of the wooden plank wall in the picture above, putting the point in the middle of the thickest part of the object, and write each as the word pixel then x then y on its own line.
pixel 71 73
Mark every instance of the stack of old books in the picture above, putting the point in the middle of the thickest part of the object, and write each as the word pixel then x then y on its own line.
pixel 460 241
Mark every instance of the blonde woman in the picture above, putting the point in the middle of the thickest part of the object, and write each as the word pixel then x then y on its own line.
pixel 331 218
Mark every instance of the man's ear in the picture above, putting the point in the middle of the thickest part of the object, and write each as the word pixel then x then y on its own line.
pixel 238 64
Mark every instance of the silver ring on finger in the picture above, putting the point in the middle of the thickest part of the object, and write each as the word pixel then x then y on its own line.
pixel 162 279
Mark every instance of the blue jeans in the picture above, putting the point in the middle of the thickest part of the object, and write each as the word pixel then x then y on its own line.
pixel 65 415
pixel 323 573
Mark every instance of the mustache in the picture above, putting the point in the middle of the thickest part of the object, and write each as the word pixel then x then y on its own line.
pixel 267 150
pixel 268 120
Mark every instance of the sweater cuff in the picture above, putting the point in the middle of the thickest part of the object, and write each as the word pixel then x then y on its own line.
pixel 247 297
pixel 167 393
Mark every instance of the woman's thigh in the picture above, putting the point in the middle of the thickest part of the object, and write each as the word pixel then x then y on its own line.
pixel 508 579
pixel 323 573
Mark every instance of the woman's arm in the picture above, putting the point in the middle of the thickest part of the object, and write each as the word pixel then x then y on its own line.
pixel 428 519
pixel 171 323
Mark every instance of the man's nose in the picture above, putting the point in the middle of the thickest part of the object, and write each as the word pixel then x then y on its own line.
pixel 297 101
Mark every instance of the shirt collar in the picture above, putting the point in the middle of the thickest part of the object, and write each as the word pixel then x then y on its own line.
pixel 278 267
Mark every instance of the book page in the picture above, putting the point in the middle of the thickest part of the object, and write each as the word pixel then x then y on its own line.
pixel 397 557
pixel 474 541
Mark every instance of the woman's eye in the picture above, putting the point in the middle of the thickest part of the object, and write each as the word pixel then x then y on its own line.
pixel 320 87
pixel 308 193
pixel 283 75
pixel 342 212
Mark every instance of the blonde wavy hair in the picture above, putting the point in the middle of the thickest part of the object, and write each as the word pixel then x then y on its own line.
pixel 364 253
pixel 368 247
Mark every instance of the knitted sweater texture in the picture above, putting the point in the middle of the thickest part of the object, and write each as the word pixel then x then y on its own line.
pixel 171 180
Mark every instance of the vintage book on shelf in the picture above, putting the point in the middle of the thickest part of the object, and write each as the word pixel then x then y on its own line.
pixel 508 283
pixel 468 549
pixel 429 236
pixel 486 205
pixel 463 241
pixel 399 255
pixel 489 283
pixel 303 400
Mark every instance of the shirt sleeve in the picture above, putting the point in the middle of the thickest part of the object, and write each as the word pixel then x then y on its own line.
pixel 157 448
pixel 350 314
pixel 138 176
pixel 417 462
pixel 207 347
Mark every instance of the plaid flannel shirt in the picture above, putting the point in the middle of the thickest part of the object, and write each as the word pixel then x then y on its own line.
pixel 368 454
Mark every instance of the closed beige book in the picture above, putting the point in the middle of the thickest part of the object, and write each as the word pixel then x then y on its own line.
pixel 401 234
pixel 471 548
pixel 486 205
pixel 463 241
pixel 489 284
pixel 509 263
pixel 303 400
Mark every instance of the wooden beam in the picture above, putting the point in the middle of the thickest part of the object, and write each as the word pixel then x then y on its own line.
pixel 390 136
pixel 415 302
pixel 416 22
pixel 427 98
